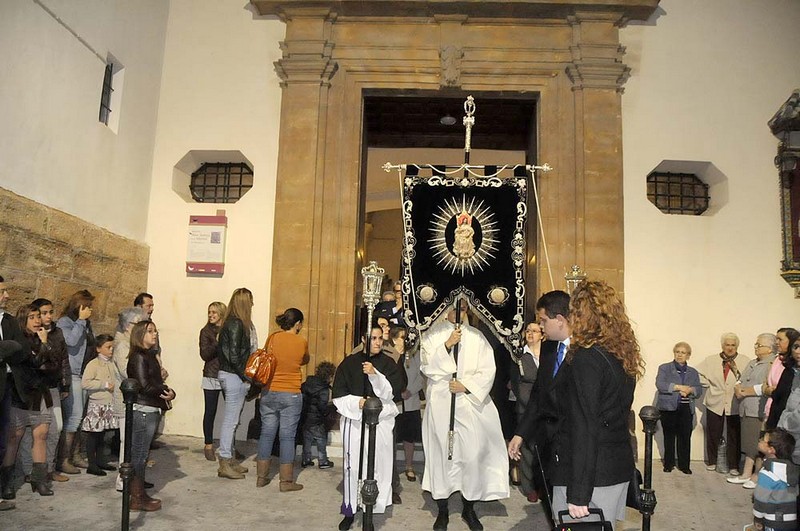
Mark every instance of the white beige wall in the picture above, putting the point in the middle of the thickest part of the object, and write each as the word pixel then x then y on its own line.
pixel 53 149
pixel 219 92
pixel 706 78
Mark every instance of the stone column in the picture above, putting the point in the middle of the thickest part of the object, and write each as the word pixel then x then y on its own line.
pixel 597 74
pixel 305 70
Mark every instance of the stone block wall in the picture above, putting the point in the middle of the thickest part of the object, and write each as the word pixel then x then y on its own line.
pixel 47 253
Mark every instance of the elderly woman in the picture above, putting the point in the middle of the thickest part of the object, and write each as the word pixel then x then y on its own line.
pixel 678 386
pixel 751 406
pixel 122 345
pixel 719 374
pixel 522 380
pixel 602 366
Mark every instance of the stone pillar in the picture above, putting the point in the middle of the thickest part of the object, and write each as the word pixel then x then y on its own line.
pixel 597 74
pixel 305 70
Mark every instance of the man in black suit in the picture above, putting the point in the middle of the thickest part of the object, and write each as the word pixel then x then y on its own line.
pixel 541 420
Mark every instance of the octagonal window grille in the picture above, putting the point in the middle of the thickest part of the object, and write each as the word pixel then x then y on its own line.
pixel 221 182
pixel 677 193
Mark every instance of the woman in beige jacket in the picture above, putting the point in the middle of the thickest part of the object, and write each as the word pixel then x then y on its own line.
pixel 719 375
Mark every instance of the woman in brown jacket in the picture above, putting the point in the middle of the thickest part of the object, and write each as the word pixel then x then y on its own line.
pixel 211 386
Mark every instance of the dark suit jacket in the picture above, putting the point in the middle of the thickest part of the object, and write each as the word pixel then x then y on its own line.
pixel 542 418
pixel 593 445
pixel 11 332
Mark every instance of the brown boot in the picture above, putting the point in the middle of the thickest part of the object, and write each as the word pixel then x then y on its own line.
pixel 287 478
pixel 238 467
pixel 226 471
pixel 140 501
pixel 262 469
pixel 77 459
pixel 62 463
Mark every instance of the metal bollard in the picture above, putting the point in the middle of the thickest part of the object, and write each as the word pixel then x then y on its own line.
pixel 130 389
pixel 369 489
pixel 649 416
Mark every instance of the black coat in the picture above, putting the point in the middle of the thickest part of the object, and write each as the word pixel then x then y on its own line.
pixel 350 380
pixel 316 395
pixel 145 369
pixel 11 332
pixel 29 370
pixel 593 446
pixel 233 347
pixel 544 413
pixel 779 398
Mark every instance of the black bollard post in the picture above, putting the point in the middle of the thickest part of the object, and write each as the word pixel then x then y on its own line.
pixel 369 489
pixel 649 416
pixel 130 389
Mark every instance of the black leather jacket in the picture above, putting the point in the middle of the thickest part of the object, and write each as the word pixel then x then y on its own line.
pixel 144 368
pixel 233 348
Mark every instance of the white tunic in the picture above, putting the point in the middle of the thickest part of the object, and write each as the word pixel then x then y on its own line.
pixel 350 425
pixel 479 468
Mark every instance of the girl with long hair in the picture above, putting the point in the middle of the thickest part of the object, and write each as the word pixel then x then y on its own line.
pixel 603 365
pixel 154 397
pixel 236 341
pixel 211 386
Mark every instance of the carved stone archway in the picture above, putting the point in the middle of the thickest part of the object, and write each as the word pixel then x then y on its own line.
pixel 567 52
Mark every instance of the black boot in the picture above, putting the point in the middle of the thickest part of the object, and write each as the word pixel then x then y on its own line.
pixel 346 523
pixel 469 516
pixel 39 480
pixel 443 518
pixel 7 482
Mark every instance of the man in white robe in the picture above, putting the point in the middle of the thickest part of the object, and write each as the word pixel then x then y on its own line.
pixel 479 467
pixel 385 380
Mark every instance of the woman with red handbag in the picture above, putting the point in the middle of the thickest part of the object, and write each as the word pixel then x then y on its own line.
pixel 281 400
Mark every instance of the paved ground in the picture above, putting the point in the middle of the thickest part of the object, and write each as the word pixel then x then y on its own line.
pixel 195 499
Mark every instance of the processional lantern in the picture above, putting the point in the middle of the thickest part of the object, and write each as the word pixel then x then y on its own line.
pixel 785 125
pixel 574 277
pixel 371 292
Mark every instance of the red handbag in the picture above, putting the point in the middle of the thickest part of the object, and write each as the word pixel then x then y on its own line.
pixel 261 364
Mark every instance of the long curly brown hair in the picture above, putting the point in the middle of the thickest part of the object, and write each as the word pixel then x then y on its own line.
pixel 597 317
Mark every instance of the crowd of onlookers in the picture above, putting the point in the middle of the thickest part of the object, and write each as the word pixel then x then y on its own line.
pixel 61 405
pixel 752 410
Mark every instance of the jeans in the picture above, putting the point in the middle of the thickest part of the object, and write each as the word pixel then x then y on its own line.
pixel 24 452
pixel 234 390
pixel 279 410
pixel 72 407
pixel 144 427
pixel 315 435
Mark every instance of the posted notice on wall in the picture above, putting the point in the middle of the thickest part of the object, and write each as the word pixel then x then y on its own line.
pixel 205 253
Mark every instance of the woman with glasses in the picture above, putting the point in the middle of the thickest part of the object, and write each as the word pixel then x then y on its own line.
pixel 678 386
pixel 749 391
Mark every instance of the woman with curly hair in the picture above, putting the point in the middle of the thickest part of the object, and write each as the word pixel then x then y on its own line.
pixel 603 364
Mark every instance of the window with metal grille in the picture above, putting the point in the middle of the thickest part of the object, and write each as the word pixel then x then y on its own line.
pixel 221 182
pixel 105 97
pixel 677 193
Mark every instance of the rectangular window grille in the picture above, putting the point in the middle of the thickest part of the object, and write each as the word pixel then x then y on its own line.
pixel 105 97
pixel 677 193
pixel 221 182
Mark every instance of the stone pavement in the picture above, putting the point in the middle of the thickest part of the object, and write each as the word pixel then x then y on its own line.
pixel 195 499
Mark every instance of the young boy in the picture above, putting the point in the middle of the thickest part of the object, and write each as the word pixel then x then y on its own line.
pixel 775 497
pixel 316 404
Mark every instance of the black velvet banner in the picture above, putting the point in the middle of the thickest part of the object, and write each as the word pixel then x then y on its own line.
pixel 465 237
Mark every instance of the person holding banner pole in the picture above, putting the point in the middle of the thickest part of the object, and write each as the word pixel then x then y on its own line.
pixel 478 468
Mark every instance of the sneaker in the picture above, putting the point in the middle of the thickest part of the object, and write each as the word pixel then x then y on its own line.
pixel 749 484
pixel 737 480
pixel 325 464
pixel 711 468
pixel 307 463
pixel 734 472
